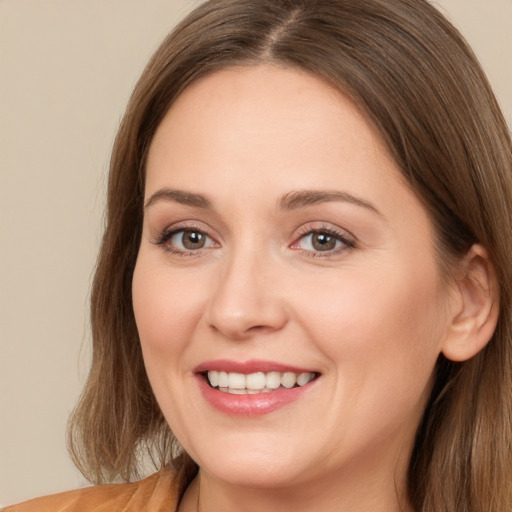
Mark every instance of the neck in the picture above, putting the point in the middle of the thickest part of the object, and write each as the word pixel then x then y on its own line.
pixel 347 493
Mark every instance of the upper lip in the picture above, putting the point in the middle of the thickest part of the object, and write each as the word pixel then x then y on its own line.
pixel 251 366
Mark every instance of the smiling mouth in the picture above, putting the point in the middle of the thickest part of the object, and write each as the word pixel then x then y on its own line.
pixel 259 382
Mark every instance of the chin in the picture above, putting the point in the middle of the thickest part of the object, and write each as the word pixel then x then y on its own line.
pixel 258 464
pixel 252 474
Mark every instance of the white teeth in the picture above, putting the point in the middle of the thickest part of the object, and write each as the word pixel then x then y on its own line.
pixel 236 381
pixel 288 380
pixel 256 380
pixel 237 391
pixel 273 380
pixel 304 378
pixel 213 377
pixel 241 384
pixel 223 380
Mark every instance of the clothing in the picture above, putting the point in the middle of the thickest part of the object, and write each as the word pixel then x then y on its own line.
pixel 156 493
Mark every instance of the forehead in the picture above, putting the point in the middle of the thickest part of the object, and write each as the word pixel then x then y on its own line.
pixel 244 115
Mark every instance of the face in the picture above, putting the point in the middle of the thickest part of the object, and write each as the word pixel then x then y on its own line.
pixel 286 292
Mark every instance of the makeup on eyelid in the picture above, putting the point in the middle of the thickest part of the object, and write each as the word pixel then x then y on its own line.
pixel 322 240
pixel 301 210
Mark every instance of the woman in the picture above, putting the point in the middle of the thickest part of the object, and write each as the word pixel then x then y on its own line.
pixel 302 299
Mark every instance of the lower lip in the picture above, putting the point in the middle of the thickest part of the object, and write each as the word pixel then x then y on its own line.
pixel 250 405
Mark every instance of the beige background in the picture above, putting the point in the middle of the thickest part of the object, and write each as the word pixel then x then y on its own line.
pixel 66 70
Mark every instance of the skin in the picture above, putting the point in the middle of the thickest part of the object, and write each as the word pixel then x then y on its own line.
pixel 371 316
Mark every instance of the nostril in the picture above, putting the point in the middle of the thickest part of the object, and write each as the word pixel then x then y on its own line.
pixel 258 328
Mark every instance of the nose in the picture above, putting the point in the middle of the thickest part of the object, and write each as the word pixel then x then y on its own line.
pixel 246 300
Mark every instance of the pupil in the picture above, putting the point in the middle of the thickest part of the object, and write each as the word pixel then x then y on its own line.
pixel 193 240
pixel 323 242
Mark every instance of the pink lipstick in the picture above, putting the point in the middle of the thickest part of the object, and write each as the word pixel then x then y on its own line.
pixel 253 387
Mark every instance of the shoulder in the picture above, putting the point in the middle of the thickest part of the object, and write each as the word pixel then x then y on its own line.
pixel 153 494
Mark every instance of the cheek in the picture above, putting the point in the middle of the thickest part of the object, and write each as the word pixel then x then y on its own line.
pixel 166 312
pixel 167 307
pixel 380 325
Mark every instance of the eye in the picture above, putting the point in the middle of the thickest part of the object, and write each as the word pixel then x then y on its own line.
pixel 323 241
pixel 190 240
pixel 184 241
pixel 320 242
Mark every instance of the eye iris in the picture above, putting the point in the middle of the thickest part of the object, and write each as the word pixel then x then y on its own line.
pixel 193 240
pixel 323 242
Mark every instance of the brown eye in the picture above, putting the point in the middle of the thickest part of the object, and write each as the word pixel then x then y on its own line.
pixel 190 240
pixel 193 240
pixel 323 242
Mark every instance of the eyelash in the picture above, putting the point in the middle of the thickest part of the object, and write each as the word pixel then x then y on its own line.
pixel 347 242
pixel 163 238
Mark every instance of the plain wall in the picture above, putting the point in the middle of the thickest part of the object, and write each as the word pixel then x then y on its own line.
pixel 67 68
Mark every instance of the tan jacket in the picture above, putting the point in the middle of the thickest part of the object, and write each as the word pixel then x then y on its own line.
pixel 153 494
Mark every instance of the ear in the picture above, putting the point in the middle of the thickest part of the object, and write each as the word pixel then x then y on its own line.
pixel 476 308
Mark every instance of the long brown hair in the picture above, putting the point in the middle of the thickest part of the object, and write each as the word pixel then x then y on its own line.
pixel 414 77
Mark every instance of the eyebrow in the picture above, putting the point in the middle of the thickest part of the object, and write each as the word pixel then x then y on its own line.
pixel 181 197
pixel 290 201
pixel 302 198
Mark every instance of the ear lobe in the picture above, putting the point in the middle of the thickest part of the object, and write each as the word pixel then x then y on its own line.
pixel 475 320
